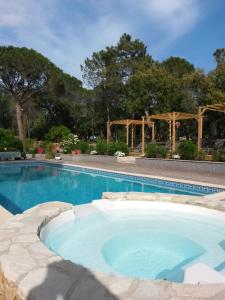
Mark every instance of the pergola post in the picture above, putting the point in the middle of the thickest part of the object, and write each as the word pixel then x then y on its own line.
pixel 143 136
pixel 153 132
pixel 174 133
pixel 200 127
pixel 127 133
pixel 132 138
pixel 170 131
pixel 108 131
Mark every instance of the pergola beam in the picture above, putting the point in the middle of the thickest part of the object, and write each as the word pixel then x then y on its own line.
pixel 131 122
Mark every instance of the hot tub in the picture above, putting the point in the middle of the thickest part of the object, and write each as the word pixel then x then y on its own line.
pixel 139 239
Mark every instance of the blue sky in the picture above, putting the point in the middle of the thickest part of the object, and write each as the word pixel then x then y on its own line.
pixel 67 31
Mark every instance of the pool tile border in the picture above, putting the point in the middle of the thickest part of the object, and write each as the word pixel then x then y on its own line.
pixel 193 187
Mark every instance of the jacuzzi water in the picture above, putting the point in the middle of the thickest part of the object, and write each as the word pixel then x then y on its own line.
pixel 142 243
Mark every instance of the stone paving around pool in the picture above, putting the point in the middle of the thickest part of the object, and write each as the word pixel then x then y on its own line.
pixel 29 270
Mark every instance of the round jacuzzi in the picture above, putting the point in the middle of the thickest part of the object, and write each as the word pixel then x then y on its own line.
pixel 139 239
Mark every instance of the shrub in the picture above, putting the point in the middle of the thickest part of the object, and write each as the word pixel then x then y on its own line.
pixel 113 147
pixel 101 146
pixel 57 133
pixel 187 150
pixel 83 146
pixel 8 142
pixel 219 155
pixel 151 150
pixel 49 153
pixel 30 145
pixel 200 155
pixel 69 143
pixel 155 151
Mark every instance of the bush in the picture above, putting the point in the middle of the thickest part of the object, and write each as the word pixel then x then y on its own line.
pixel 187 150
pixel 8 142
pixel 113 147
pixel 30 145
pixel 155 151
pixel 69 143
pixel 83 146
pixel 101 147
pixel 57 133
pixel 49 153
pixel 200 155
pixel 219 155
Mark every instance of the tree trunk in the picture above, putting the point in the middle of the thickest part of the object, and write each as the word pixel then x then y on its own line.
pixel 20 123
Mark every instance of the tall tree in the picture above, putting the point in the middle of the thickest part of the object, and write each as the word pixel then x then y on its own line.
pixel 178 66
pixel 23 73
pixel 109 70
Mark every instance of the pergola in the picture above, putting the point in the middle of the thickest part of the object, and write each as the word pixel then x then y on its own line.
pixel 220 107
pixel 131 123
pixel 171 118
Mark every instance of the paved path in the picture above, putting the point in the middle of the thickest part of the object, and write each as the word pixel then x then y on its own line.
pixel 5 215
pixel 132 168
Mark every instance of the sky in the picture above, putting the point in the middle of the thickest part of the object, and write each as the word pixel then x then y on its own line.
pixel 68 31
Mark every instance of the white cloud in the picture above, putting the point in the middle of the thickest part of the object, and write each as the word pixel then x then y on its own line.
pixel 68 36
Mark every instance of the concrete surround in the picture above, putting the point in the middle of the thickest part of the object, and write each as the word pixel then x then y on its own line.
pixel 29 270
pixel 173 164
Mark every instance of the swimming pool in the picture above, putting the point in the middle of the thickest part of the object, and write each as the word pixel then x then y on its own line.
pixel 23 185
pixel 140 239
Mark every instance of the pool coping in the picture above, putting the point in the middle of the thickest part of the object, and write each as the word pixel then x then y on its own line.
pixel 216 195
pixel 25 262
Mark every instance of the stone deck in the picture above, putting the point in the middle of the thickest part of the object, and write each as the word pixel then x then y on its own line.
pixel 29 270
pixel 153 171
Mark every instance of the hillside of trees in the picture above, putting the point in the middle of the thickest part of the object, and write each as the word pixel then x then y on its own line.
pixel 123 81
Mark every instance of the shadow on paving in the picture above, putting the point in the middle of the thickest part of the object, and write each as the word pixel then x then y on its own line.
pixel 65 280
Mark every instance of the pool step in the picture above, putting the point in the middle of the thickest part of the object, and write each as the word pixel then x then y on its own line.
pixel 202 274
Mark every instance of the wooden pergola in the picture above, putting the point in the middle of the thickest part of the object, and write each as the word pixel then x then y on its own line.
pixel 131 123
pixel 220 107
pixel 171 118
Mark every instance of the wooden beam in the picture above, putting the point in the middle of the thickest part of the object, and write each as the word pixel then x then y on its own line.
pixel 143 136
pixel 200 127
pixel 127 133
pixel 170 130
pixel 132 138
pixel 174 133
pixel 108 132
pixel 153 132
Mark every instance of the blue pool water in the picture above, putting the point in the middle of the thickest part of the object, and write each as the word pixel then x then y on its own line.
pixel 24 185
pixel 150 243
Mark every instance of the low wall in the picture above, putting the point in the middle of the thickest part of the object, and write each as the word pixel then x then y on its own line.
pixel 171 164
pixel 88 158
pixel 184 165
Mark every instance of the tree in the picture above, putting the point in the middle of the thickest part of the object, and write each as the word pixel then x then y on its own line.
pixel 108 71
pixel 219 56
pixel 23 73
pixel 177 66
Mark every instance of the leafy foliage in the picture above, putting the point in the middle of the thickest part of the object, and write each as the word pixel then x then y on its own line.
pixel 219 155
pixel 187 150
pixel 8 142
pixel 113 147
pixel 101 146
pixel 155 151
pixel 69 143
pixel 57 133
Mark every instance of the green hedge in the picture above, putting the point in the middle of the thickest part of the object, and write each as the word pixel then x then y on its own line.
pixel 83 146
pixel 219 155
pixel 113 147
pixel 187 150
pixel 8 142
pixel 101 146
pixel 155 151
